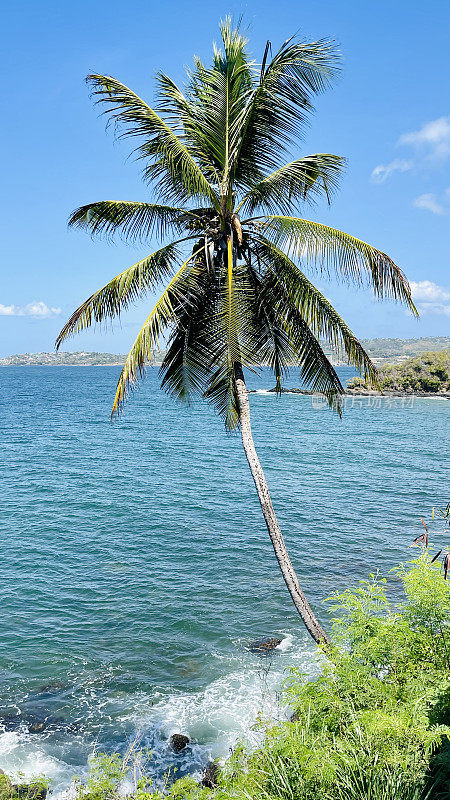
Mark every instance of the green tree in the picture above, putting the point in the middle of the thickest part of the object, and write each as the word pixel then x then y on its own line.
pixel 235 291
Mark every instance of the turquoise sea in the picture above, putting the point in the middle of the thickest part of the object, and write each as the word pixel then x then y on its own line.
pixel 135 567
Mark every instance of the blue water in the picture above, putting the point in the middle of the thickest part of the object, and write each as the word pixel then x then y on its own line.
pixel 135 567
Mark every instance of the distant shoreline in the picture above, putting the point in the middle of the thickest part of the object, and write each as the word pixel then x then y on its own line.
pixel 84 366
pixel 381 351
pixel 118 364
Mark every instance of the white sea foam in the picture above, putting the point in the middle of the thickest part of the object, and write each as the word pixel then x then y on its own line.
pixel 233 708
pixel 286 643
pixel 25 756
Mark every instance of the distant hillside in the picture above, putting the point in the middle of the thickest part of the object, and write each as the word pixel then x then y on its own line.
pixel 61 359
pixel 380 350
pixel 383 350
pixel 428 373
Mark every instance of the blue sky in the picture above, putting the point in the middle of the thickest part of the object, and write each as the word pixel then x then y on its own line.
pixel 389 115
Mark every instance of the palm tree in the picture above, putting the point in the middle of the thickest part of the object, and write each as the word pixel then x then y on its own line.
pixel 236 293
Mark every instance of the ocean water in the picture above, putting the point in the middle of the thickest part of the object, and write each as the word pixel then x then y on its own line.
pixel 135 568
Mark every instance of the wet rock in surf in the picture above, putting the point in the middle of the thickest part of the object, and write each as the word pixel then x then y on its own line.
pixel 264 646
pixel 34 723
pixel 36 727
pixel 210 777
pixel 51 688
pixel 178 741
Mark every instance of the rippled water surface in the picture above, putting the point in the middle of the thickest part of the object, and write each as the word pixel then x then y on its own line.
pixel 135 567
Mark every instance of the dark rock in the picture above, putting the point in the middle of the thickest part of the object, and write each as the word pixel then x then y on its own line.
pixel 283 390
pixel 11 721
pixel 179 741
pixel 2 771
pixel 264 646
pixel 211 775
pixel 294 717
pixel 35 722
pixel 37 726
pixel 51 688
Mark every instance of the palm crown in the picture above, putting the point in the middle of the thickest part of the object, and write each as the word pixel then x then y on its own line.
pixel 236 293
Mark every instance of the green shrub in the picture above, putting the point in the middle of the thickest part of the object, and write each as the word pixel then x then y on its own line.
pixel 430 383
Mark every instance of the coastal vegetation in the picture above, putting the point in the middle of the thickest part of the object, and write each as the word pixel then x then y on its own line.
pixel 374 724
pixel 235 291
pixel 428 373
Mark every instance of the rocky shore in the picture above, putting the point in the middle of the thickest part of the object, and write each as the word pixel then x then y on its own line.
pixel 362 392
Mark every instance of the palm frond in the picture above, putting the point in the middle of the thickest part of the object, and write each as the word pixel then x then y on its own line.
pixel 133 283
pixel 231 340
pixel 304 179
pixel 218 94
pixel 318 313
pixel 279 105
pixel 221 391
pixel 147 339
pixel 327 248
pixel 173 168
pixel 134 221
pixel 185 113
pixel 270 342
pixel 186 365
pixel 286 339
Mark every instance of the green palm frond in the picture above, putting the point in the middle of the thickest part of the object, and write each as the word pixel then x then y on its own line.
pixel 330 249
pixel 219 94
pixel 132 284
pixel 270 341
pixel 187 363
pixel 134 221
pixel 162 314
pixel 231 340
pixel 228 342
pixel 306 178
pixel 317 312
pixel 316 369
pixel 185 114
pixel 286 339
pixel 280 103
pixel 173 169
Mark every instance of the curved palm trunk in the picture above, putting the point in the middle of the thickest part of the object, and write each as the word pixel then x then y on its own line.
pixel 312 625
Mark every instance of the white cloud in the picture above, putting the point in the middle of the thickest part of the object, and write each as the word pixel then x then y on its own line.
pixel 434 135
pixel 383 171
pixel 430 203
pixel 427 290
pixel 432 143
pixel 35 309
pixel 7 311
pixel 430 297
